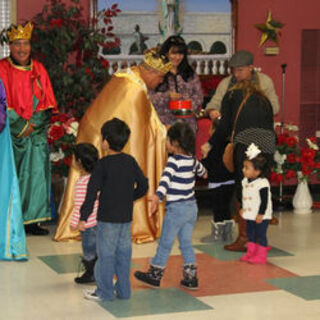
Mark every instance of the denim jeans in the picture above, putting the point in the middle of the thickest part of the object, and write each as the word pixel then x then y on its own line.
pixel 257 232
pixel 89 243
pixel 178 221
pixel 114 256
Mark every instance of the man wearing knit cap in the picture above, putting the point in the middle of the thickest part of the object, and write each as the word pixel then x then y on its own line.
pixel 241 64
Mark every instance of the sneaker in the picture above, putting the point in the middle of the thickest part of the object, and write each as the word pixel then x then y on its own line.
pixel 190 284
pixel 91 295
pixel 147 278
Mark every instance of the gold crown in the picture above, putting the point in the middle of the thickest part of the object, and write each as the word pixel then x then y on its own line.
pixel 20 32
pixel 157 62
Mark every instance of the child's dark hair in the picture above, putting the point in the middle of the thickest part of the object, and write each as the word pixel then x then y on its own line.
pixel 261 163
pixel 116 132
pixel 87 154
pixel 182 133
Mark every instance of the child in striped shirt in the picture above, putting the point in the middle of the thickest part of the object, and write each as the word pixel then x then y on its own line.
pixel 177 185
pixel 86 157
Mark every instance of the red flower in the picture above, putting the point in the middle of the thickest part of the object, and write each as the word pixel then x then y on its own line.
pixel 56 132
pixel 104 62
pixel 276 177
pixel 291 141
pixel 56 22
pixel 65 146
pixel 306 171
pixel 89 72
pixel 291 158
pixel 68 160
pixel 281 139
pixel 290 174
pixel 307 153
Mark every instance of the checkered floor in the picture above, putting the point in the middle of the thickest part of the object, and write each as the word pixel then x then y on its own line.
pixel 289 285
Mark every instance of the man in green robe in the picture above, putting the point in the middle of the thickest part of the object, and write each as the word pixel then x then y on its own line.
pixel 30 104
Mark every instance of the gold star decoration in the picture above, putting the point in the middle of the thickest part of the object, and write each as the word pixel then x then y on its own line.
pixel 270 29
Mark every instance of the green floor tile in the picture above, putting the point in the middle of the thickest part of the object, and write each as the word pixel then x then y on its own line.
pixel 306 288
pixel 63 263
pixel 154 301
pixel 68 263
pixel 217 251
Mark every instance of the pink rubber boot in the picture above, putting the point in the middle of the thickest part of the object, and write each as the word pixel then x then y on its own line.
pixel 251 250
pixel 260 256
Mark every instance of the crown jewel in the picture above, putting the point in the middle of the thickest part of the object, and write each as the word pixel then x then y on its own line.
pixel 20 32
pixel 156 62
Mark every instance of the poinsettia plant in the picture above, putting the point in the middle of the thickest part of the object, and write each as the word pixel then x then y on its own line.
pixel 293 160
pixel 68 44
pixel 62 133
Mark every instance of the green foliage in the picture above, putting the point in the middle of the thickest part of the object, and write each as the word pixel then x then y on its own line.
pixel 65 42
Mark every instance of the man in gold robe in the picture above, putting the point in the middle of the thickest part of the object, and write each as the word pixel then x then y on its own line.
pixel 125 97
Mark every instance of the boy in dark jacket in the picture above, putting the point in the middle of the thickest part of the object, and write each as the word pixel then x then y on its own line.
pixel 120 182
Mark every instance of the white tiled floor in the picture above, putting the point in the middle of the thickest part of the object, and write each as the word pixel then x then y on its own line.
pixel 32 291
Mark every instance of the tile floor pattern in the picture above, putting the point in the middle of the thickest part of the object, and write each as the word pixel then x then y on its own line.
pixel 288 286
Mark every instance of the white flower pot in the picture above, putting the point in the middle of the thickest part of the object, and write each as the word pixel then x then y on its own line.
pixel 302 200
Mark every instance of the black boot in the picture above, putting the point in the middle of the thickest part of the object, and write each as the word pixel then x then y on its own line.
pixel 152 277
pixel 190 280
pixel 35 229
pixel 88 275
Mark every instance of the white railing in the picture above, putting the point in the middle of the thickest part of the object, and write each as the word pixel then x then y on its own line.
pixel 203 64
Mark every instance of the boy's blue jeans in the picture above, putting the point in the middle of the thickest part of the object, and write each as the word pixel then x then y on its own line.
pixel 114 256
pixel 89 243
pixel 178 221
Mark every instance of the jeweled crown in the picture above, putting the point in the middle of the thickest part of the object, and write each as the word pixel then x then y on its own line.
pixel 157 62
pixel 20 32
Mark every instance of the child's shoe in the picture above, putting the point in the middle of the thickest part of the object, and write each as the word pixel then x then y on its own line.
pixel 90 294
pixel 216 235
pixel 251 250
pixel 260 256
pixel 88 276
pixel 190 280
pixel 152 277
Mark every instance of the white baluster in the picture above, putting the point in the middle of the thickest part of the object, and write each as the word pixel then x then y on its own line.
pixel 111 68
pixel 119 65
pixel 198 66
pixel 214 67
pixel 206 66
pixel 221 67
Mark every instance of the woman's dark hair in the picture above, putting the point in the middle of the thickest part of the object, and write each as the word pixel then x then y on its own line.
pixel 261 163
pixel 179 46
pixel 116 132
pixel 87 154
pixel 182 133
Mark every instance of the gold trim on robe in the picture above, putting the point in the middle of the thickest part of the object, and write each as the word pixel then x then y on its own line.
pixel 125 97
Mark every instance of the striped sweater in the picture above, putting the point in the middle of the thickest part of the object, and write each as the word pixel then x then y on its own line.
pixel 178 178
pixel 80 192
